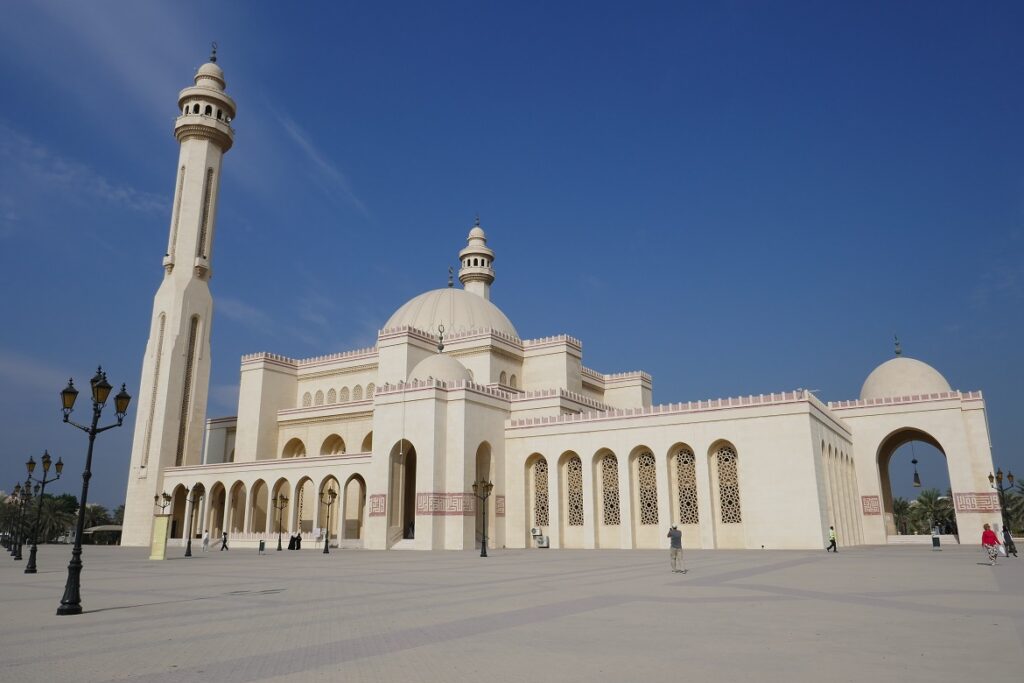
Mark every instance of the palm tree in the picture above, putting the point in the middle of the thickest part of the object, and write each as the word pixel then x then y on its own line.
pixel 54 519
pixel 96 515
pixel 901 515
pixel 931 508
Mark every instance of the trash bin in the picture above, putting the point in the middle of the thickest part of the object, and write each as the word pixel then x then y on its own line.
pixel 935 538
pixel 263 546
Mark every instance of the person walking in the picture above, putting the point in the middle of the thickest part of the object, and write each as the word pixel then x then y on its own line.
pixel 206 540
pixel 675 550
pixel 1011 547
pixel 990 542
pixel 224 541
pixel 832 547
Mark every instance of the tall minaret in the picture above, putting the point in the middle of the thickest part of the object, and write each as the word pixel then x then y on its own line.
pixel 176 368
pixel 476 272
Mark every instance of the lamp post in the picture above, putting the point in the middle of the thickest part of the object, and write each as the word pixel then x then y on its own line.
pixel 917 477
pixel 328 498
pixel 41 485
pixel 71 603
pixel 996 482
pixel 280 503
pixel 15 499
pixel 23 503
pixel 162 501
pixel 191 500
pixel 482 490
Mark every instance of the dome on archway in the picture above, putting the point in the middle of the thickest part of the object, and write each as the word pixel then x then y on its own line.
pixel 457 309
pixel 902 376
pixel 440 366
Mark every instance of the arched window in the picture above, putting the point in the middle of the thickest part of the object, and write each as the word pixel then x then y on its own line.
pixel 307 400
pixel 540 493
pixel 574 489
pixel 195 109
pixel 647 481
pixel 333 445
pixel 332 396
pixel 318 399
pixel 357 393
pixel 476 262
pixel 503 378
pixel 294 449
pixel 208 111
pixel 512 381
pixel 728 485
pixel 610 489
pixel 686 486
pixel 343 395
pixel 370 390
pixel 219 115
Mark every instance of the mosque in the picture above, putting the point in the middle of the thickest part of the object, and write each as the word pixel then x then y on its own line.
pixel 453 428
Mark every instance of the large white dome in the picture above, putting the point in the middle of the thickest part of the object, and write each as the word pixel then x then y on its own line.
pixel 440 366
pixel 902 376
pixel 457 309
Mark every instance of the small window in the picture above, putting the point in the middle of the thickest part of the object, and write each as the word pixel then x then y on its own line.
pixel 476 262
pixel 219 115
pixel 195 109
pixel 208 111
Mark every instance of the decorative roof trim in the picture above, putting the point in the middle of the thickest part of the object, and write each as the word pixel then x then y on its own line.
pixel 912 398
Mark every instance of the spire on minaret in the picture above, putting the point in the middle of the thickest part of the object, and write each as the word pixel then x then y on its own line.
pixel 440 338
pixel 899 349
pixel 213 52
pixel 477 263
pixel 451 272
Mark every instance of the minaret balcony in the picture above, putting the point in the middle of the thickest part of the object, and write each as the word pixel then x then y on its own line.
pixel 205 127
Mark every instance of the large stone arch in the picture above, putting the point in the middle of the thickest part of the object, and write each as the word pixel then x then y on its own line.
pixel 327 517
pixel 295 448
pixel 684 492
pixel 644 498
pixel 888 446
pixel 726 494
pixel 259 507
pixel 332 445
pixel 178 511
pixel 484 472
pixel 304 505
pixel 218 510
pixel 280 518
pixel 607 499
pixel 236 511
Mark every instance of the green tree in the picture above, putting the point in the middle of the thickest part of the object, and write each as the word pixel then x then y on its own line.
pixel 54 519
pixel 96 515
pixel 931 508
pixel 119 514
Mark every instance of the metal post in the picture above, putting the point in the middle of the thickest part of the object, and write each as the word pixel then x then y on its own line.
pixel 71 603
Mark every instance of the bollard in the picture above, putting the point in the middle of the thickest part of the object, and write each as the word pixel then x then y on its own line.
pixel 263 546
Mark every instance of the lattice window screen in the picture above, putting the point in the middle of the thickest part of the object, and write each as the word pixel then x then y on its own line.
pixel 332 396
pixel 307 400
pixel 540 493
pixel 610 489
pixel 728 485
pixel 686 477
pixel 318 399
pixel 648 485
pixel 574 483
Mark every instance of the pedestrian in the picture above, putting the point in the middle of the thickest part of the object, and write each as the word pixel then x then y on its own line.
pixel 832 547
pixel 675 550
pixel 224 541
pixel 291 541
pixel 990 542
pixel 206 540
pixel 1011 547
pixel 298 540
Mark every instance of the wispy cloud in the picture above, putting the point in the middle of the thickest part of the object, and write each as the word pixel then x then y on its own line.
pixel 336 179
pixel 27 372
pixel 245 314
pixel 29 169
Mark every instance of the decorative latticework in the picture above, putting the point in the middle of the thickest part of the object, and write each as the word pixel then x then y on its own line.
pixel 332 396
pixel 307 400
pixel 357 393
pixel 318 398
pixel 610 489
pixel 370 389
pixel 647 483
pixel 343 395
pixel 574 484
pixel 728 485
pixel 540 493
pixel 686 485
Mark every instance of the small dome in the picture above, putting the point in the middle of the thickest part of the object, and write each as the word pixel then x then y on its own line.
pixel 477 232
pixel 440 366
pixel 456 309
pixel 208 72
pixel 902 376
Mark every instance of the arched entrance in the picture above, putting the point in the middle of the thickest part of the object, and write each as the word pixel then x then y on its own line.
pixel 198 511
pixel 328 516
pixel 484 473
pixel 258 517
pixel 914 497
pixel 236 514
pixel 355 503
pixel 218 508
pixel 305 505
pixel 178 511
pixel 402 492
pixel 279 517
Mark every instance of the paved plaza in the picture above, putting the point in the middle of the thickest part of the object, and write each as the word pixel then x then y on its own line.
pixel 870 613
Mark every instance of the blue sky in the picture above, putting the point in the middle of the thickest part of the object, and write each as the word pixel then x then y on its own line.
pixel 738 198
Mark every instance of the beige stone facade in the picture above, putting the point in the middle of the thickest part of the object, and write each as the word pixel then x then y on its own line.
pixel 451 395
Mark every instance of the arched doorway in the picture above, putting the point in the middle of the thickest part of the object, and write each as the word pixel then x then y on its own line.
pixel 178 511
pixel 328 516
pixel 258 516
pixel 305 505
pixel 355 503
pixel 915 496
pixel 279 519
pixel 484 473
pixel 218 509
pixel 198 510
pixel 402 492
pixel 236 515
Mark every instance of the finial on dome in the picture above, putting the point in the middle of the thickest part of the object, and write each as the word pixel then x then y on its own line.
pixel 451 280
pixel 476 222
pixel 213 52
pixel 440 338
pixel 899 349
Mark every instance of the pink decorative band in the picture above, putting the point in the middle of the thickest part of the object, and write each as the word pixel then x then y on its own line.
pixel 378 505
pixel 985 501
pixel 871 505
pixel 460 504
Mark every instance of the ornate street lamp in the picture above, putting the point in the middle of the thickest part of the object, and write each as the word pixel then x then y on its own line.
pixel 71 603
pixel 162 501
pixel 15 500
pixel 280 503
pixel 23 510
pixel 996 482
pixel 41 486
pixel 917 477
pixel 327 497
pixel 482 490
pixel 191 500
